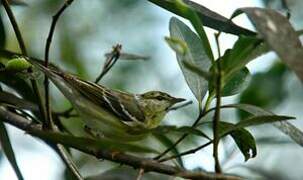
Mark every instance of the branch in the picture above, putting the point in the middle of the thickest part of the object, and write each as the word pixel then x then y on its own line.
pixel 200 116
pixel 110 61
pixel 121 158
pixel 13 21
pixel 49 122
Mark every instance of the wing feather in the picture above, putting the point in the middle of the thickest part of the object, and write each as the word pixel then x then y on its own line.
pixel 121 104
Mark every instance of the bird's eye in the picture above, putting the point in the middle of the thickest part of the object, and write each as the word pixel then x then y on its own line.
pixel 160 98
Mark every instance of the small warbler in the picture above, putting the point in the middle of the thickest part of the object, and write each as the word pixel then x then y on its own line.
pixel 111 113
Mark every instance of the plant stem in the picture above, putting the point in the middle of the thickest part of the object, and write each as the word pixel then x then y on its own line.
pixel 49 124
pixel 216 119
pixel 200 116
pixel 68 161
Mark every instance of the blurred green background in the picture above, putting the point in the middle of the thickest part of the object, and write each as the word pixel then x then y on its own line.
pixel 89 29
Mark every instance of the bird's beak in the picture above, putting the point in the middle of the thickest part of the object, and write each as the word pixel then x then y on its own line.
pixel 177 100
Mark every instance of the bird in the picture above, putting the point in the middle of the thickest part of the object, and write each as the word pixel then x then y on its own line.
pixel 110 113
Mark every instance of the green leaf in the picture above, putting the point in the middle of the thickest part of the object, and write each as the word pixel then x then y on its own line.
pixel 279 34
pixel 168 144
pixel 244 50
pixel 13 100
pixel 208 17
pixel 182 129
pixel 232 84
pixel 18 84
pixel 242 137
pixel 256 120
pixel 195 69
pixel 198 26
pixel 90 145
pixel 17 65
pixel 266 89
pixel 236 83
pixel 8 150
pixel 244 140
pixel 262 119
pixel 177 45
pixel 287 128
pixel 195 55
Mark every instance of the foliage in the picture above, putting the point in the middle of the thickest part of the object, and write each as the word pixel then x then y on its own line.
pixel 210 79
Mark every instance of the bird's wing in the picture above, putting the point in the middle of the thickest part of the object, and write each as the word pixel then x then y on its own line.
pixel 121 104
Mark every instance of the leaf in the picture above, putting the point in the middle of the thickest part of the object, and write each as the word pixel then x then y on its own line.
pixel 195 69
pixel 236 83
pixel 279 34
pixel 208 17
pixel 198 26
pixel 87 144
pixel 231 84
pixel 254 121
pixel 17 65
pixel 182 129
pixel 11 99
pixel 262 119
pixel 244 140
pixel 8 150
pixel 20 85
pixel 287 128
pixel 242 137
pixel 168 144
pixel 177 45
pixel 195 55
pixel 245 49
pixel 266 89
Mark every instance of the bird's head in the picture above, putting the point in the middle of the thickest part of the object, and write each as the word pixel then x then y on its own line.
pixel 160 100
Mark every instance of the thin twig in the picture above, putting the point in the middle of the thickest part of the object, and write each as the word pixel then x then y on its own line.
pixel 68 161
pixel 216 119
pixel 191 151
pixel 200 116
pixel 49 124
pixel 15 26
pixel 112 155
pixel 110 61
pixel 140 174
pixel 49 121
pixel 285 6
pixel 24 52
pixel 180 106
